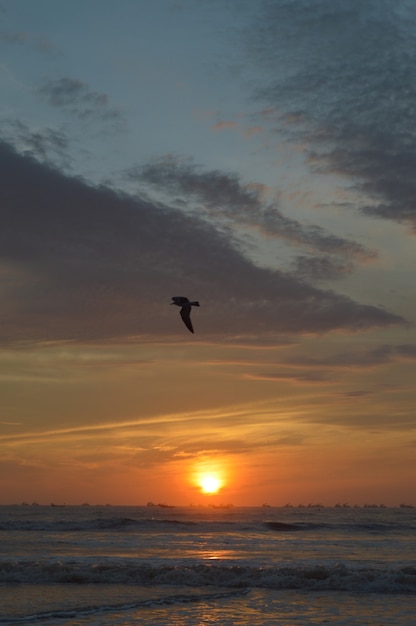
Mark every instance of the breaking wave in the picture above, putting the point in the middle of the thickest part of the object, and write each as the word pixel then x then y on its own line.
pixel 337 577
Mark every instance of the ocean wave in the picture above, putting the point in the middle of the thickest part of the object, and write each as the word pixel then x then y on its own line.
pixel 83 611
pixel 90 525
pixel 298 526
pixel 130 524
pixel 351 528
pixel 337 577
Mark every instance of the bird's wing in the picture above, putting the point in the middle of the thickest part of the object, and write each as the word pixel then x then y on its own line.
pixel 180 300
pixel 186 317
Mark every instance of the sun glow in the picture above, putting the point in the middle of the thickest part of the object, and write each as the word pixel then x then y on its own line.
pixel 210 483
pixel 210 476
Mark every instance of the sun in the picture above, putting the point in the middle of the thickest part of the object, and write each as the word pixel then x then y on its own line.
pixel 209 476
pixel 210 483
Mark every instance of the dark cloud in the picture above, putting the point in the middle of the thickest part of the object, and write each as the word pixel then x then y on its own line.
pixel 222 194
pixel 83 262
pixel 76 97
pixel 343 78
pixel 406 351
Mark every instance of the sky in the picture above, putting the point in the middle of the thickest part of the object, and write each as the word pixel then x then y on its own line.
pixel 255 156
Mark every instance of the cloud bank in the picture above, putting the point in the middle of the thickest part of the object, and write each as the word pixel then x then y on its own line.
pixel 222 194
pixel 83 262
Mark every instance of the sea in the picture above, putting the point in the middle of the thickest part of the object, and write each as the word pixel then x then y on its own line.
pixel 205 566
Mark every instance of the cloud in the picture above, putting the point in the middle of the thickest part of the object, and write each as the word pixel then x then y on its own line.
pixel 357 393
pixel 306 377
pixel 343 79
pixel 77 98
pixel 50 145
pixel 321 267
pixel 68 91
pixel 384 171
pixel 361 359
pixel 34 41
pixel 149 441
pixel 253 130
pixel 222 195
pixel 224 125
pixel 87 263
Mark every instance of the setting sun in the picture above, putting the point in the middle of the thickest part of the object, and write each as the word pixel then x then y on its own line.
pixel 210 483
pixel 210 476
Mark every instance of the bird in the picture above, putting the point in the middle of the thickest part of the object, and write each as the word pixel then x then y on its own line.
pixel 186 306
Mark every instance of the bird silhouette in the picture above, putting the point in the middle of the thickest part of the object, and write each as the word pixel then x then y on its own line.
pixel 186 306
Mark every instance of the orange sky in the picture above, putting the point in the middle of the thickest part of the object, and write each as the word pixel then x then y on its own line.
pixel 114 425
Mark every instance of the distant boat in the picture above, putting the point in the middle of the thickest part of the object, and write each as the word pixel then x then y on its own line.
pixel 222 506
pixel 57 506
pixel 161 504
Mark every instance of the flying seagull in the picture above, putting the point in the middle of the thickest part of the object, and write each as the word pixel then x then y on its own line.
pixel 186 306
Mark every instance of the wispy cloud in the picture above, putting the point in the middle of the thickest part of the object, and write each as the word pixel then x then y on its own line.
pixel 35 41
pixel 252 130
pixel 381 355
pixel 224 125
pixel 309 377
pixel 162 437
pixel 77 98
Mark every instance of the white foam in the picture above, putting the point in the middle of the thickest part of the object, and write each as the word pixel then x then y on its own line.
pixel 338 577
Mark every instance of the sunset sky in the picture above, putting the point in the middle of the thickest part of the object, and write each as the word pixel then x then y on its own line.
pixel 258 156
